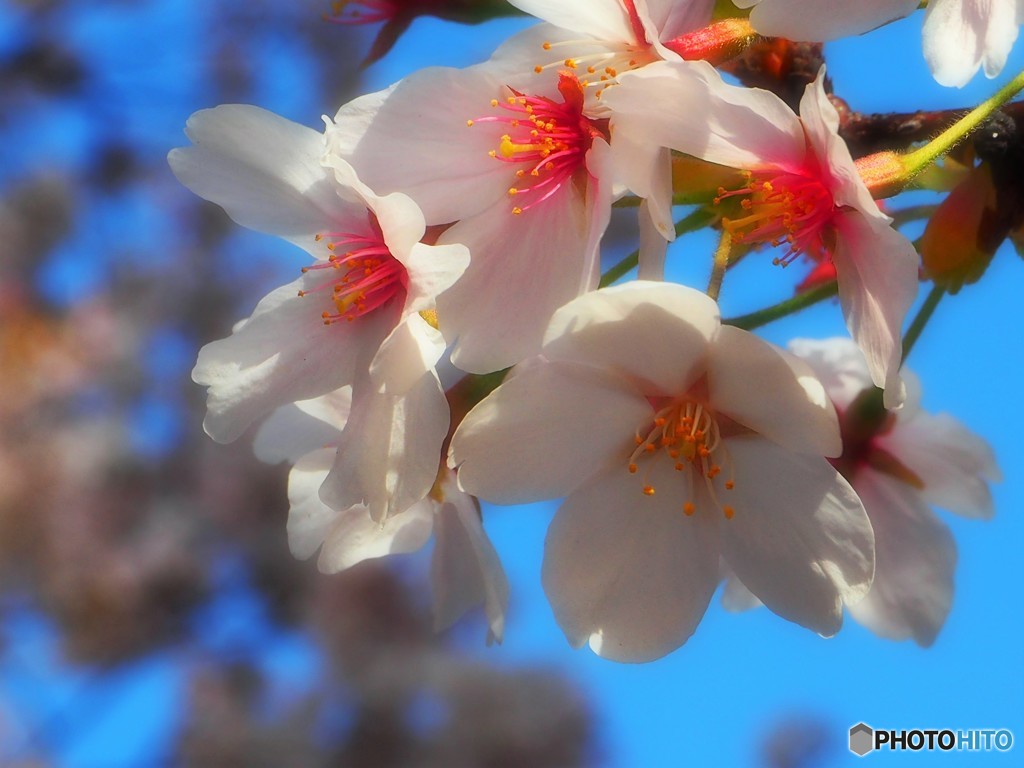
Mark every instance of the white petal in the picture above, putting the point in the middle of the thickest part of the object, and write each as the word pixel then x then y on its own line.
pixel 960 35
pixel 410 351
pixel 629 572
pixel 446 169
pixel 355 536
pixel 283 353
pixel 390 451
pixel 821 121
pixel 264 171
pixel 839 365
pixel 799 539
pixel 740 127
pixel 655 333
pixel 677 17
pixel 545 431
pixel 646 170
pixel 522 268
pixel 601 19
pixel 822 20
pixel 953 462
pixel 653 247
pixel 295 429
pixel 772 392
pixel 876 268
pixel 432 270
pixel 465 570
pixel 915 557
pixel 308 518
pixel 736 597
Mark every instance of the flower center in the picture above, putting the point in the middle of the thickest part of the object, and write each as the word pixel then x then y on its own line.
pixel 686 433
pixel 549 140
pixel 787 209
pixel 363 275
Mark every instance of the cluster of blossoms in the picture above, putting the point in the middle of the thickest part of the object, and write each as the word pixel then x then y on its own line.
pixel 453 224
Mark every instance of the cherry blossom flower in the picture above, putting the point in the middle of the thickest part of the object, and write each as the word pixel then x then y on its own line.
pixel 676 441
pixel 516 155
pixel 524 174
pixel 356 307
pixel 465 569
pixel 900 465
pixel 803 192
pixel 959 36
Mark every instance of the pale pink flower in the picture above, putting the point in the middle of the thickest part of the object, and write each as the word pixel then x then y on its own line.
pixel 515 154
pixel 959 36
pixel 523 173
pixel 909 461
pixel 803 193
pixel 914 460
pixel 676 441
pixel 465 569
pixel 356 307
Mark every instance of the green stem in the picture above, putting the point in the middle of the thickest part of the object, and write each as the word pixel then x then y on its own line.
pixel 920 158
pixel 697 219
pixel 921 320
pixel 783 308
pixel 720 264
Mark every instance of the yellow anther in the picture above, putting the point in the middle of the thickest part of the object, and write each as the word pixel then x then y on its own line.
pixel 430 316
pixel 494 102
pixel 546 46
pixel 517 211
pixel 513 191
pixel 689 509
pixel 318 238
pixel 538 69
pixel 648 490
pixel 570 63
pixel 469 123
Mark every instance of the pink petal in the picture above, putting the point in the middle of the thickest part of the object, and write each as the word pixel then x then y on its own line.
pixel 658 334
pixel 915 556
pixel 545 431
pixel 628 572
pixel 772 392
pixel 799 539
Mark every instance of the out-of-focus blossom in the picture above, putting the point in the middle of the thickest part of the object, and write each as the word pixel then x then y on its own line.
pixel 900 463
pixel 677 441
pixel 357 307
pixel 465 570
pixel 959 36
pixel 912 460
pixel 803 193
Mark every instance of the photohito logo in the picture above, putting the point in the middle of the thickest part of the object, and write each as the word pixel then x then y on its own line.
pixel 865 739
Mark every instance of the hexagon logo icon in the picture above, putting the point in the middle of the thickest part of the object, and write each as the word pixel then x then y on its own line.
pixel 862 739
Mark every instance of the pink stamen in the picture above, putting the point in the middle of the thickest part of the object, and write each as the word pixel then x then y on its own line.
pixel 551 138
pixel 367 276
pixel 786 209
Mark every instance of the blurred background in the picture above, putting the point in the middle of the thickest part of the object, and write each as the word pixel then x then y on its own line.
pixel 150 613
